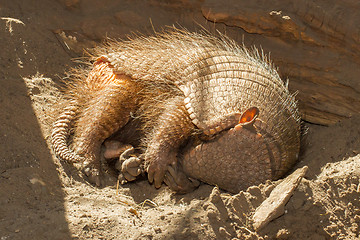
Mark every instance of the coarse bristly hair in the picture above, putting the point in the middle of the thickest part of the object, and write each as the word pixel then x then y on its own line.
pixel 165 77
pixel 175 39
pixel 163 59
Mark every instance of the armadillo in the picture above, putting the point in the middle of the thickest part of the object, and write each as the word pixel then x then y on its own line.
pixel 209 110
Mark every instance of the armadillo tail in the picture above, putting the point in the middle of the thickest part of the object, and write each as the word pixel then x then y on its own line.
pixel 60 135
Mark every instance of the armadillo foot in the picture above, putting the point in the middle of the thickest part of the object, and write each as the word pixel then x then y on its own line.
pixel 158 168
pixel 130 170
pixel 178 181
pixel 129 165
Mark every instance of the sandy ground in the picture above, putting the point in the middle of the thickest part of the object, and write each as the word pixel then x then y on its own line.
pixel 43 198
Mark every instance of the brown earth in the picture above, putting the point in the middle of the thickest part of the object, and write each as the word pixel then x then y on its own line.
pixel 42 198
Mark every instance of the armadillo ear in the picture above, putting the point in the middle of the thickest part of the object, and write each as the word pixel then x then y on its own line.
pixel 249 116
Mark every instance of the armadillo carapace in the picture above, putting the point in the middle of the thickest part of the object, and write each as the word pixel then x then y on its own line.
pixel 208 110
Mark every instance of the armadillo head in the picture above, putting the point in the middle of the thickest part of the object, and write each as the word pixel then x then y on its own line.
pixel 236 158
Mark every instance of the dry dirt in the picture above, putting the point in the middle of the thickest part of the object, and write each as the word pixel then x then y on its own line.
pixel 43 198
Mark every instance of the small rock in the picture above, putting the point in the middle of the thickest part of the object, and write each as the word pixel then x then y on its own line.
pixel 215 196
pixel 212 214
pixel 283 234
pixel 224 234
pixel 273 206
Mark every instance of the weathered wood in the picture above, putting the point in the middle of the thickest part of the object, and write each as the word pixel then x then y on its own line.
pixel 316 44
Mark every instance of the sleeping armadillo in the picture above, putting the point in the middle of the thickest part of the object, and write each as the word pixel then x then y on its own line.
pixel 207 109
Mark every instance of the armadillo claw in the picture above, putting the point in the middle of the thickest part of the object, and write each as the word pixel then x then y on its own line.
pixel 158 165
pixel 178 181
pixel 127 153
pixel 123 157
pixel 156 174
pixel 128 177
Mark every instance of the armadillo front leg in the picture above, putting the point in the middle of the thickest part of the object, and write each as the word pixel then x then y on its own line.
pixel 173 128
pixel 108 109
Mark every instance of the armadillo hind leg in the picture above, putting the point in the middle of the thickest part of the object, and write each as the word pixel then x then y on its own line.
pixel 107 111
pixel 172 129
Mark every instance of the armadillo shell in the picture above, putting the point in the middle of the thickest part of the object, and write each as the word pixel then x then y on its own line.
pixel 225 82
